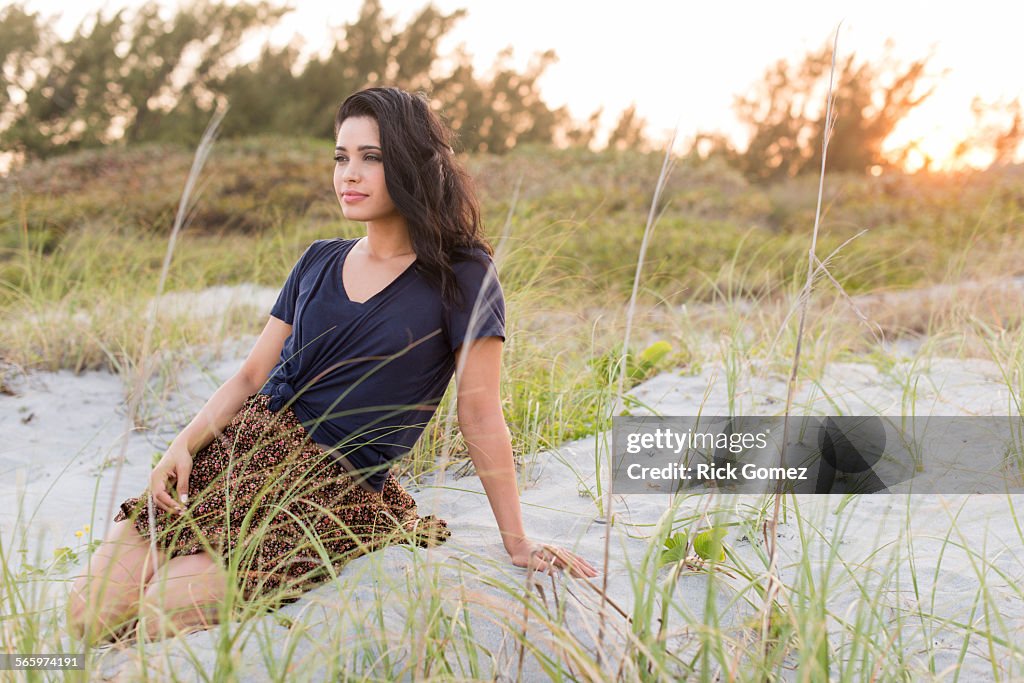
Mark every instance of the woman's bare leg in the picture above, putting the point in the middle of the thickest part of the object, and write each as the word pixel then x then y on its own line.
pixel 183 596
pixel 106 597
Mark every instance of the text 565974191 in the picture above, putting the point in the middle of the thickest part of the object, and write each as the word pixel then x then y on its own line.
pixel 41 661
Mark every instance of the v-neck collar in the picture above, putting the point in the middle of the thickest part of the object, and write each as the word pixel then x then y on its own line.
pixel 341 278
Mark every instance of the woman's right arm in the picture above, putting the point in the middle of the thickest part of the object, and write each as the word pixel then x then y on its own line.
pixel 218 412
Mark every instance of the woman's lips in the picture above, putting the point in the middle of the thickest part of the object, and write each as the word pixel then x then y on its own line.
pixel 353 197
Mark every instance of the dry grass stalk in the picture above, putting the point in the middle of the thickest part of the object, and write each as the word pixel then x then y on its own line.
pixel 141 378
pixel 774 583
pixel 666 168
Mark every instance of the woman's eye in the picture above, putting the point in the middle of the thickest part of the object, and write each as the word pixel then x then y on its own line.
pixel 373 157
pixel 339 159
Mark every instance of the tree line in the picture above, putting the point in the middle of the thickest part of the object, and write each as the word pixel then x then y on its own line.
pixel 137 76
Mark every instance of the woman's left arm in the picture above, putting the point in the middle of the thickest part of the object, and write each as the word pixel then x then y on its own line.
pixel 482 423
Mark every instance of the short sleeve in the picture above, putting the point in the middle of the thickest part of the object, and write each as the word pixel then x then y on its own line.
pixel 284 307
pixel 483 310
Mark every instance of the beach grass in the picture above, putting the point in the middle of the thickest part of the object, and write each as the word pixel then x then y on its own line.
pixel 720 285
pixel 844 616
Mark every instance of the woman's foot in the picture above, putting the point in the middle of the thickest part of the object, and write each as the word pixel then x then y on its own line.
pixel 123 637
pixel 428 531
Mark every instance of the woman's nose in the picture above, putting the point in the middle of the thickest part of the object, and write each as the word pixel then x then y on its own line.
pixel 351 172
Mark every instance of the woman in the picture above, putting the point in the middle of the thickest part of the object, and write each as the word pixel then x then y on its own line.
pixel 360 345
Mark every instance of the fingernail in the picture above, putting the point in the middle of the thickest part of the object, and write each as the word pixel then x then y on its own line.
pixel 184 497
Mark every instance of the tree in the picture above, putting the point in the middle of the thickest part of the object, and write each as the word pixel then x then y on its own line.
pixel 22 37
pixel 1002 139
pixel 1008 141
pixel 714 146
pixel 139 77
pixel 496 112
pixel 785 113
pixel 117 77
pixel 628 132
pixel 583 135
pixel 371 50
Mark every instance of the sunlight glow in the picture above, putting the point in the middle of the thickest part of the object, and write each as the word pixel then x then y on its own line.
pixel 684 62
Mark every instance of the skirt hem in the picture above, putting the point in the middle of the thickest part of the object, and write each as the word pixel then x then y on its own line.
pixel 264 488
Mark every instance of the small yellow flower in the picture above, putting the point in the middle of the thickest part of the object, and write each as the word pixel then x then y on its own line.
pixel 86 528
pixel 78 533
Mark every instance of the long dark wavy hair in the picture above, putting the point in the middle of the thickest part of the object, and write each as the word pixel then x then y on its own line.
pixel 429 187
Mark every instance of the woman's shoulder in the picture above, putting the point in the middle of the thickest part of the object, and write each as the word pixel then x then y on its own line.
pixel 331 243
pixel 319 253
pixel 466 257
pixel 475 269
pixel 319 248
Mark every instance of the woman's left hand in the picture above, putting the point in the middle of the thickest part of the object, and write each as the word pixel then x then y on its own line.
pixel 545 557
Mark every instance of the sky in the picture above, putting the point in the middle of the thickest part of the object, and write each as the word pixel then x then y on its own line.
pixel 682 64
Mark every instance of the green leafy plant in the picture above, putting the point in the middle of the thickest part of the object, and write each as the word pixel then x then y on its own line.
pixel 707 545
pixel 638 367
pixel 64 557
pixel 675 549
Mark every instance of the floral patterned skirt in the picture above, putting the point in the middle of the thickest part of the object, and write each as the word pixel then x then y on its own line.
pixel 263 491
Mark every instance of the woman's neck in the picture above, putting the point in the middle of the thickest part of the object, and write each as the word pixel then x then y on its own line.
pixel 387 241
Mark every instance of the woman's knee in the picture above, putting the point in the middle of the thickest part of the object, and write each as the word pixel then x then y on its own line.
pixel 184 595
pixel 107 594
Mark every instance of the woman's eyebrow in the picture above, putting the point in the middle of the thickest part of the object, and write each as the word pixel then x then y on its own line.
pixel 360 148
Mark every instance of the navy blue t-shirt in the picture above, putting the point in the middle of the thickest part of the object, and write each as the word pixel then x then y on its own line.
pixel 367 377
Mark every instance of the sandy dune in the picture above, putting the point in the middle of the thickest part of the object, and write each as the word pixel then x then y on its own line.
pixel 60 429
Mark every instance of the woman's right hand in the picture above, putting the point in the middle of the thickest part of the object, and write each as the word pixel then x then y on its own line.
pixel 174 468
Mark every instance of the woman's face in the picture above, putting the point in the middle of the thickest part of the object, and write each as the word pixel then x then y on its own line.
pixel 359 172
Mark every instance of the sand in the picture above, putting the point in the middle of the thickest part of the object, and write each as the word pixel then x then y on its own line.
pixel 60 429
